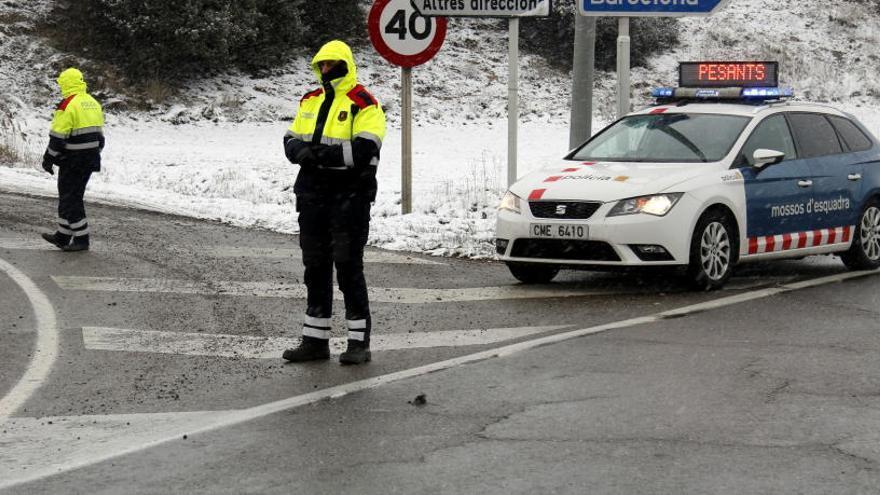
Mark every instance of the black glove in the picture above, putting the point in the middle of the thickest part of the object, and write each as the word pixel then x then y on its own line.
pixel 320 152
pixel 329 156
pixel 47 165
pixel 305 157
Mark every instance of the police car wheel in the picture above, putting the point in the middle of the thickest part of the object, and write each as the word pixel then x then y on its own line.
pixel 713 251
pixel 864 253
pixel 533 273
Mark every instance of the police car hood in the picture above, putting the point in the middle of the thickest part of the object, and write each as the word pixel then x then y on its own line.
pixel 606 181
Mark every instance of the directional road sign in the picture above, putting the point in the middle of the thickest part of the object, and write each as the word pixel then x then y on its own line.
pixel 633 8
pixel 483 8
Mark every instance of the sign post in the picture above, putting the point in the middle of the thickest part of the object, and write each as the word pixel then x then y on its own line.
pixel 405 37
pixel 626 9
pixel 513 10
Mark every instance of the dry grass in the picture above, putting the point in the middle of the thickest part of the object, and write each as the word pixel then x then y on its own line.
pixel 13 148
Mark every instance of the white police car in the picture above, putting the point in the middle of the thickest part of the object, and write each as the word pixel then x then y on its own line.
pixel 722 170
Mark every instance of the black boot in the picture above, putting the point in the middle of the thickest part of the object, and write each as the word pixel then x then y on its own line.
pixel 357 353
pixel 56 240
pixel 76 246
pixel 310 349
pixel 79 243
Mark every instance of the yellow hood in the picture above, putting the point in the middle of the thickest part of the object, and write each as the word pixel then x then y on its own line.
pixel 71 81
pixel 337 50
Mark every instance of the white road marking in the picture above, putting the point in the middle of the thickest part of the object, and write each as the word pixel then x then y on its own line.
pixel 298 291
pixel 44 446
pixel 45 349
pixel 178 424
pixel 249 347
pixel 25 244
pixel 370 256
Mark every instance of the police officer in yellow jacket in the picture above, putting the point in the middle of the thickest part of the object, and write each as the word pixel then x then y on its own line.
pixel 335 138
pixel 75 142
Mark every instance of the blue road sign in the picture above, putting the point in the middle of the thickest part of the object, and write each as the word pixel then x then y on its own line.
pixel 633 8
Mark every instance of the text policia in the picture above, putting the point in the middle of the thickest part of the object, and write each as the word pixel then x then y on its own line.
pixel 493 5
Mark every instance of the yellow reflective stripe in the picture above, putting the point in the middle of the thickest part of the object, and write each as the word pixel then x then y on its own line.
pixel 372 137
pixel 59 135
pixel 82 146
pixel 87 130
pixel 301 137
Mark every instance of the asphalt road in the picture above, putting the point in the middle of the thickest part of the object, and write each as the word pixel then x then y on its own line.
pixel 150 365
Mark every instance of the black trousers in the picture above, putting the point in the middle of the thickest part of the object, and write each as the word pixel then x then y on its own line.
pixel 72 181
pixel 333 231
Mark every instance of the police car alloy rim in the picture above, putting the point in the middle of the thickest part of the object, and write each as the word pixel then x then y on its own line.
pixel 870 233
pixel 715 251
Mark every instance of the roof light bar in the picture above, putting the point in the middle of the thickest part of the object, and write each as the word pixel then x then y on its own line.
pixel 747 94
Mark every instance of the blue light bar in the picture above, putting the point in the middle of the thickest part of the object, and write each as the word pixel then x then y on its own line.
pixel 766 93
pixel 730 93
pixel 663 92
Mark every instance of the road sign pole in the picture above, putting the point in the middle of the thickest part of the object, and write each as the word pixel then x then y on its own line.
pixel 512 98
pixel 623 81
pixel 406 132
pixel 581 126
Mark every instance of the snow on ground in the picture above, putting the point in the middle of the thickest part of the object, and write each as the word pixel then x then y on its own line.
pixel 214 151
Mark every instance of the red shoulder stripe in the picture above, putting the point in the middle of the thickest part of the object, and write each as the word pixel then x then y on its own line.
pixel 361 97
pixel 312 94
pixel 63 105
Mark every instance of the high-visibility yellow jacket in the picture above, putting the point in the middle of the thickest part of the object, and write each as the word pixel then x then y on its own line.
pixel 76 136
pixel 348 120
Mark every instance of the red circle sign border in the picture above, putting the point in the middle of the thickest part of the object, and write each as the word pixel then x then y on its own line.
pixel 397 58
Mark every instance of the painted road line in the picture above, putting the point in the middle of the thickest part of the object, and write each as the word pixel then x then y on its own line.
pixel 45 349
pixel 58 443
pixel 181 424
pixel 25 244
pixel 370 256
pixel 250 347
pixel 298 291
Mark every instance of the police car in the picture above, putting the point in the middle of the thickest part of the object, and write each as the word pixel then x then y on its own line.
pixel 722 170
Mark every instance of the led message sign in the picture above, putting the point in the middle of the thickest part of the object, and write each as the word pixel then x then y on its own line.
pixel 728 74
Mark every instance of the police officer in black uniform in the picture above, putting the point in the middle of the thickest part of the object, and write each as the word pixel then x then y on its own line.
pixel 335 138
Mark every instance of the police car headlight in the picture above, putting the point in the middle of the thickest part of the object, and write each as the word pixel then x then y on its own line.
pixel 510 202
pixel 657 204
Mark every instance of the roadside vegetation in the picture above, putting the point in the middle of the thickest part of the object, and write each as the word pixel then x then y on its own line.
pixel 162 43
pixel 553 37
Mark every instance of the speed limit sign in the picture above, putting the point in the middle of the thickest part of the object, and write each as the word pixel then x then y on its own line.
pixel 402 35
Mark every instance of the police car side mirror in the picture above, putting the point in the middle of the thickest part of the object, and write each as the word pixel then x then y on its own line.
pixel 763 157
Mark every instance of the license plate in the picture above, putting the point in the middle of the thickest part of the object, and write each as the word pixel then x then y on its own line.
pixel 560 231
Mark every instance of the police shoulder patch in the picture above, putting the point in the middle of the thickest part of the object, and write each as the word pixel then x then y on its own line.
pixel 361 97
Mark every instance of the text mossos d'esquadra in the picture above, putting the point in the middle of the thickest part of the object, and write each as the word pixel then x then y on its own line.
pixel 810 207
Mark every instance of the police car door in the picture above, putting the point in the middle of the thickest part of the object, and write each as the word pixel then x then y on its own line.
pixel 776 195
pixel 836 177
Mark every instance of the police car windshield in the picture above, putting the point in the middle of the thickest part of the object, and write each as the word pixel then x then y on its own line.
pixel 666 137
